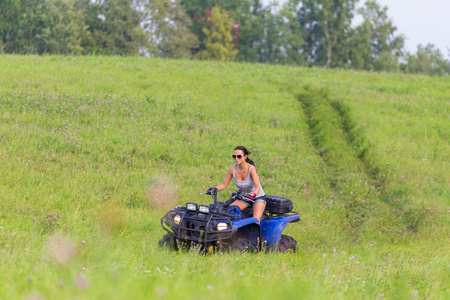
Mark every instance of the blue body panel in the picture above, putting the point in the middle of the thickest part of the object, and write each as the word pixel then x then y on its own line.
pixel 244 222
pixel 235 211
pixel 271 229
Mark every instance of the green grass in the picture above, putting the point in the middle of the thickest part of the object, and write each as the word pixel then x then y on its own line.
pixel 94 150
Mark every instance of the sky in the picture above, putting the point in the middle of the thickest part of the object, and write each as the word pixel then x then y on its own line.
pixel 419 21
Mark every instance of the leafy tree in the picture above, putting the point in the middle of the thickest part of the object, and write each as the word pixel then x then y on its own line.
pixel 34 21
pixel 291 26
pixel 302 22
pixel 261 39
pixel 274 45
pixel 219 42
pixel 64 36
pixel 90 17
pixel 9 22
pixel 428 60
pixel 247 27
pixel 256 30
pixel 374 44
pixel 334 19
pixel 360 48
pixel 50 26
pixel 196 11
pixel 154 14
pixel 250 25
pixel 166 23
pixel 324 27
pixel 115 28
pixel 177 40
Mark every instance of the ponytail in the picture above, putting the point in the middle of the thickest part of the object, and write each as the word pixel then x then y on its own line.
pixel 248 160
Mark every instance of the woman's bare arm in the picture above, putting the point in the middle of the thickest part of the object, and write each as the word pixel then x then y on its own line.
pixel 255 180
pixel 227 180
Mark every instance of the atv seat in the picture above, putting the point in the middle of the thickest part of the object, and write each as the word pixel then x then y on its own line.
pixel 248 213
pixel 277 205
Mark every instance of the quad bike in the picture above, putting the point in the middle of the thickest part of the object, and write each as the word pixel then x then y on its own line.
pixel 224 227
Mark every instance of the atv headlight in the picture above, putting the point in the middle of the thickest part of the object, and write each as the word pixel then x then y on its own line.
pixel 204 209
pixel 221 226
pixel 191 206
pixel 177 219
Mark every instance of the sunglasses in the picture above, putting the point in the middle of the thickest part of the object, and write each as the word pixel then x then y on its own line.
pixel 237 156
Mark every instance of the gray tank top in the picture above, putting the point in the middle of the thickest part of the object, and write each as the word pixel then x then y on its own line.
pixel 247 186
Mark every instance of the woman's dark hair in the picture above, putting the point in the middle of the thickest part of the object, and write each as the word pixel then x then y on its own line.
pixel 246 152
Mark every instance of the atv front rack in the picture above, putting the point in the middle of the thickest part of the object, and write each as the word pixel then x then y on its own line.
pixel 197 227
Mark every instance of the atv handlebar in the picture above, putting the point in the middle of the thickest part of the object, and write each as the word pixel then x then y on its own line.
pixel 240 195
pixel 211 191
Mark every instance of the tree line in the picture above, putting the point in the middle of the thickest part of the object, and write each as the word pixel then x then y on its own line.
pixel 297 32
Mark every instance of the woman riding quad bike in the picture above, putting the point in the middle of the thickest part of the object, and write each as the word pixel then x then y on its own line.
pixel 222 226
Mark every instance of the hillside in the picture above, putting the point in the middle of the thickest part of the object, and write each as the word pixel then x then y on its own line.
pixel 94 150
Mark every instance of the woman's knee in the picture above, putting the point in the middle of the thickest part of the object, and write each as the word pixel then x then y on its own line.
pixel 242 205
pixel 259 205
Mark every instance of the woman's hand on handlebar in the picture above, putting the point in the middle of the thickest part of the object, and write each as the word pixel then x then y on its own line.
pixel 211 191
pixel 252 196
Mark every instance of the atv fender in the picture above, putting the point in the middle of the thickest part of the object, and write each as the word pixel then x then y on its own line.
pixel 273 228
pixel 244 222
pixel 249 229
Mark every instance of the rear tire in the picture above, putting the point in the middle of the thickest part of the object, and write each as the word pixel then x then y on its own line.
pixel 168 242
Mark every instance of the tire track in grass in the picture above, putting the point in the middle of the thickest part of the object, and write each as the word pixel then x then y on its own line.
pixel 356 177
pixel 377 173
pixel 347 178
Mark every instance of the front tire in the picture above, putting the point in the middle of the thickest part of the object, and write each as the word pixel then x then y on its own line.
pixel 240 245
pixel 168 242
pixel 284 245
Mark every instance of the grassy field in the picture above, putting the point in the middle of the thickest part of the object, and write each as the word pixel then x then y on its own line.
pixel 94 150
